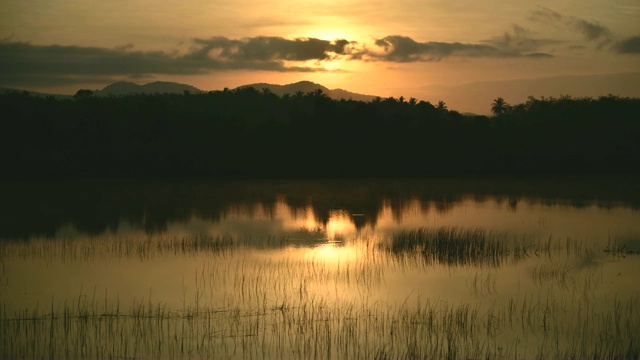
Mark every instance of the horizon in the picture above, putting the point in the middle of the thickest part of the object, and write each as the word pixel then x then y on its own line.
pixel 483 109
pixel 463 54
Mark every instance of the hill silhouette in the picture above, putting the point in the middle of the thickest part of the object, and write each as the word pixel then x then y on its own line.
pixel 307 87
pixel 4 90
pixel 164 87
pixel 156 87
pixel 122 88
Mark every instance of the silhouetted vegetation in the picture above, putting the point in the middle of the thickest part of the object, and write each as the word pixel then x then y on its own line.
pixel 457 247
pixel 257 134
pixel 40 208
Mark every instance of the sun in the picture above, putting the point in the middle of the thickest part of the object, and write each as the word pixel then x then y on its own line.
pixel 329 34
pixel 335 29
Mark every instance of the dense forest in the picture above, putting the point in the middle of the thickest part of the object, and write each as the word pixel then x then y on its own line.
pixel 249 133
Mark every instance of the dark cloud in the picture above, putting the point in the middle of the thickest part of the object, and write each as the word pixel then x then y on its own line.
pixel 75 60
pixel 539 55
pixel 56 64
pixel 398 48
pixel 28 64
pixel 263 48
pixel 520 41
pixel 544 14
pixel 628 46
pixel 590 30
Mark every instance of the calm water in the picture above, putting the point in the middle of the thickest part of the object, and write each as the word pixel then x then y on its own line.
pixel 321 269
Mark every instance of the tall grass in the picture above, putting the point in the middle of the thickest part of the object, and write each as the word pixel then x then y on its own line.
pixel 528 327
pixel 454 246
pixel 247 304
pixel 88 248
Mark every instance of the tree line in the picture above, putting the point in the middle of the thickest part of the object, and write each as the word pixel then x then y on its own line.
pixel 251 133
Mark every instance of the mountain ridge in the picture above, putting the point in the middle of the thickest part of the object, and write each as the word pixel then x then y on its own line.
pixel 120 88
pixel 306 86
pixel 5 90
pixel 127 87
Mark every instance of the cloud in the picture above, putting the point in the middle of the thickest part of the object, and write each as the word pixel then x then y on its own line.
pixel 590 30
pixel 56 64
pixel 265 49
pixel 28 64
pixel 628 46
pixel 396 48
pixel 521 41
pixel 539 55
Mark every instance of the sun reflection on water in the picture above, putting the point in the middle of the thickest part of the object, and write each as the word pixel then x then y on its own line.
pixel 285 274
pixel 331 253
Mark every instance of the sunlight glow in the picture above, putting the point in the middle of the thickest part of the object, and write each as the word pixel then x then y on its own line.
pixel 332 254
pixel 339 224
pixel 335 65
pixel 330 34
pixel 330 28
pixel 306 219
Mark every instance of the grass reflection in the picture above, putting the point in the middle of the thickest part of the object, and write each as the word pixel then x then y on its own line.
pixel 525 298
pixel 453 246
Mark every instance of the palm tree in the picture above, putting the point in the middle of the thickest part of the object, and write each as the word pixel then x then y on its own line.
pixel 499 106
pixel 441 106
pixel 319 93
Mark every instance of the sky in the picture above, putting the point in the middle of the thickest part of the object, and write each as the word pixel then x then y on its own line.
pixel 464 52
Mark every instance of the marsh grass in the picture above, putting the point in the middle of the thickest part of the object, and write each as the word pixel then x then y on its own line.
pixel 621 247
pixel 453 246
pixel 143 247
pixel 246 304
pixel 528 327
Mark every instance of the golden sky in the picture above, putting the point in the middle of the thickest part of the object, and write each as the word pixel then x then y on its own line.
pixel 459 51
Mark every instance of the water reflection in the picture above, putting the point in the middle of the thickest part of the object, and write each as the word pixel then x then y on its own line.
pixel 274 270
pixel 94 207
pixel 306 227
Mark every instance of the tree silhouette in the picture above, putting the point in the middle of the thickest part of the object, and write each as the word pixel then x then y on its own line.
pixel 177 135
pixel 499 106
pixel 83 93
pixel 319 93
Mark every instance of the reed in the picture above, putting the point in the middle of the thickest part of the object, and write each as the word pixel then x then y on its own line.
pixel 453 246
pixel 539 328
pixel 143 247
pixel 243 304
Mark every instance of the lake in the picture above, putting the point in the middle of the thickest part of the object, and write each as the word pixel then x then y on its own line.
pixel 343 269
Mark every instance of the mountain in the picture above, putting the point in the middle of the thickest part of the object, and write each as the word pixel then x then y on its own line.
pixel 125 88
pixel 160 87
pixel 308 86
pixel 4 90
